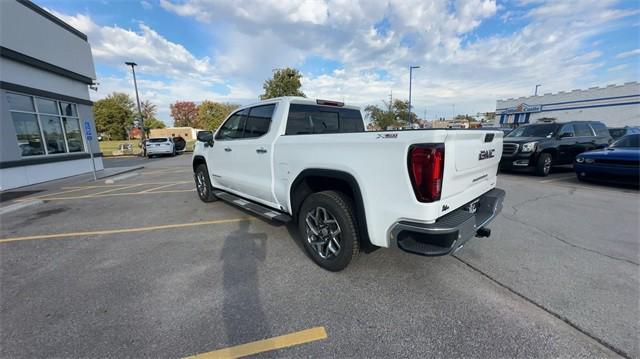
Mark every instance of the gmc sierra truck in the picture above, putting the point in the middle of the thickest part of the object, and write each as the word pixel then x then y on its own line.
pixel 312 162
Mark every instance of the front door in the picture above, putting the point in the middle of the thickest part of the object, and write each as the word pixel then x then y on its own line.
pixel 252 170
pixel 222 159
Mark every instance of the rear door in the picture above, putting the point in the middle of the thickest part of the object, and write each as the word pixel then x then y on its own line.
pixel 251 169
pixel 567 143
pixel 585 139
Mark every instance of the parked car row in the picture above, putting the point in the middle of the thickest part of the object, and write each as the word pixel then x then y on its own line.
pixel 540 146
pixel 597 153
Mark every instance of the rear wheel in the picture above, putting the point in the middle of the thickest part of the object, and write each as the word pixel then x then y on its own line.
pixel 543 166
pixel 328 229
pixel 203 184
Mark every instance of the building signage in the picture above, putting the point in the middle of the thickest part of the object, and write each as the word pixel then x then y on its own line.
pixel 87 130
pixel 523 108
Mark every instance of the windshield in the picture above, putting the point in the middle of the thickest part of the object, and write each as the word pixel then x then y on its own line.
pixel 534 131
pixel 629 141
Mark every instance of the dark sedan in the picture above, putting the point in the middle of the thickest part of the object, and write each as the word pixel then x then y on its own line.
pixel 619 162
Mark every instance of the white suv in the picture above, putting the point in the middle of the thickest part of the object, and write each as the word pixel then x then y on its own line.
pixel 160 146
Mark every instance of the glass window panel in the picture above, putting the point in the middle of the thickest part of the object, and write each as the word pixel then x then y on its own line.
pixel 28 134
pixel 47 106
pixel 68 109
pixel 74 135
pixel 20 102
pixel 54 138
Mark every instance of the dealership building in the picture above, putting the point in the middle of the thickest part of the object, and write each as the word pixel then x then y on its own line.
pixel 614 105
pixel 46 68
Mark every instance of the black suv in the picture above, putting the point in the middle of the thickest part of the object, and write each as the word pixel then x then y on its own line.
pixel 541 145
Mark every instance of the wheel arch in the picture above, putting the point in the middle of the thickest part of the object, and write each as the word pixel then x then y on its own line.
pixel 315 180
pixel 197 161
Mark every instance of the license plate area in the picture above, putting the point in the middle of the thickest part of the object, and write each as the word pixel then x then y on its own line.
pixel 472 207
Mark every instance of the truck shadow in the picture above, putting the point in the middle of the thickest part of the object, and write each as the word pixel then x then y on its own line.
pixel 244 317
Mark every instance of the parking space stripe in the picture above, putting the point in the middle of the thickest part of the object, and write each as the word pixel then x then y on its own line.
pixel 114 189
pixel 57 193
pixel 128 184
pixel 124 230
pixel 157 188
pixel 117 194
pixel 261 346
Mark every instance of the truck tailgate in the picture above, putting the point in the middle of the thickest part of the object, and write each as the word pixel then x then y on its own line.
pixel 476 156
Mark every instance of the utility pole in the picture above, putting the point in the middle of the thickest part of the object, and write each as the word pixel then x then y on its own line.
pixel 410 76
pixel 536 91
pixel 390 100
pixel 135 84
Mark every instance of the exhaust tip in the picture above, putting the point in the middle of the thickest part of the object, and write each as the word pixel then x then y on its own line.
pixel 483 233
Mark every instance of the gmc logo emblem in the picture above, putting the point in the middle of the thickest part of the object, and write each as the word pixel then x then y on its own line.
pixel 484 154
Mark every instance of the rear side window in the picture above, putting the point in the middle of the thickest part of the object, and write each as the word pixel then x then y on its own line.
pixel 258 121
pixel 600 129
pixel 310 119
pixel 582 130
pixel 233 128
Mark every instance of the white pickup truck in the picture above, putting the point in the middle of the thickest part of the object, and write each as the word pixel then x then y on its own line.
pixel 311 162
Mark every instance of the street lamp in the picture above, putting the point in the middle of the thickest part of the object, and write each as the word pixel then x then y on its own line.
pixel 536 91
pixel 410 77
pixel 135 84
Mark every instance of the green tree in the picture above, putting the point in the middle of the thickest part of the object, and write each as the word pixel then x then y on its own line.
pixel 393 115
pixel 148 110
pixel 211 114
pixel 152 123
pixel 113 115
pixel 285 82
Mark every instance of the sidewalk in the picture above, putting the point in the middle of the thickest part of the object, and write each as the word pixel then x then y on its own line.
pixel 8 197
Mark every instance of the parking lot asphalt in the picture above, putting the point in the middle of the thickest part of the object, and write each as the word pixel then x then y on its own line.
pixel 143 268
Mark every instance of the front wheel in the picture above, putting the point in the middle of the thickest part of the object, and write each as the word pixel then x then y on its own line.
pixel 327 225
pixel 543 166
pixel 203 184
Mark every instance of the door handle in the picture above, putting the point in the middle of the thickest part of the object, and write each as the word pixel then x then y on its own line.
pixel 227 149
pixel 261 150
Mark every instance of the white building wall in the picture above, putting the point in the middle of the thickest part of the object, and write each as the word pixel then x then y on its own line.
pixel 614 105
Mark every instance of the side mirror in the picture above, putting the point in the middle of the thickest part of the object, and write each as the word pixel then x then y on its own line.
pixel 206 137
pixel 565 134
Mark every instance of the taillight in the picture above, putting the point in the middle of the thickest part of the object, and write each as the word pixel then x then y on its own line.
pixel 426 167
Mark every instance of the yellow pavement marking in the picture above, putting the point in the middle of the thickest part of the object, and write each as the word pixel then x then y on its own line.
pixel 127 184
pixel 116 194
pixel 157 188
pixel 114 189
pixel 260 346
pixel 124 230
pixel 53 194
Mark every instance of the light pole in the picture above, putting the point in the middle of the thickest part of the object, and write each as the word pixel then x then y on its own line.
pixel 410 77
pixel 135 84
pixel 536 91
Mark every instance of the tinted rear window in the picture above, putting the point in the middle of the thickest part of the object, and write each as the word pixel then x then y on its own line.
pixel 158 140
pixel 600 129
pixel 309 119
pixel 582 130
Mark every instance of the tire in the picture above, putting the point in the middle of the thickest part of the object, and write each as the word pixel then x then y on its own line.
pixel 173 154
pixel 203 184
pixel 320 215
pixel 543 166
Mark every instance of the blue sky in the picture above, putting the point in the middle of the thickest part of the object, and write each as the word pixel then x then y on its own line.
pixel 471 52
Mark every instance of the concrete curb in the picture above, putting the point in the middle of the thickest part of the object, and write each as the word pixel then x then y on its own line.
pixel 20 205
pixel 120 177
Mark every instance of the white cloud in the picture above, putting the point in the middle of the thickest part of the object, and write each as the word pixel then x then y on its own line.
pixel 554 47
pixel 146 5
pixel 626 54
pixel 618 68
